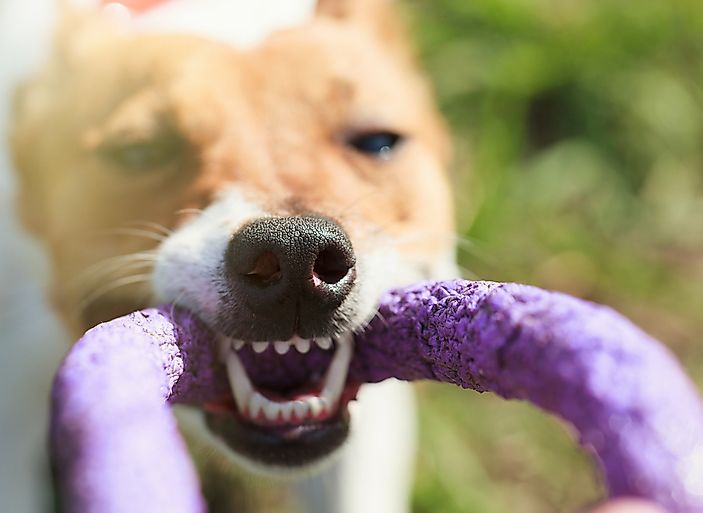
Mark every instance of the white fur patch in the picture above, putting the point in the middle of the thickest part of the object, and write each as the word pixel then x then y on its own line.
pixel 237 22
pixel 190 263
pixel 189 269
pixel 378 469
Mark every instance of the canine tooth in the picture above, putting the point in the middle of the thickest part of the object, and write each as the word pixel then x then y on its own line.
pixel 238 344
pixel 336 375
pixel 324 342
pixel 238 381
pixel 256 403
pixel 315 405
pixel 301 344
pixel 301 410
pixel 346 338
pixel 281 347
pixel 259 347
pixel 271 409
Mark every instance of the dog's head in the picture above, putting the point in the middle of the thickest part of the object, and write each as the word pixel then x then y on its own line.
pixel 275 191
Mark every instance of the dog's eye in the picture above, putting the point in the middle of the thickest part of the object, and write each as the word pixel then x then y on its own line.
pixel 377 144
pixel 143 155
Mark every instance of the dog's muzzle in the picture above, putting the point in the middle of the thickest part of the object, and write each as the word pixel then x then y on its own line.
pixel 287 281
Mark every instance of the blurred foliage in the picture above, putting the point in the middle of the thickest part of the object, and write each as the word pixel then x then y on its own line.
pixel 579 133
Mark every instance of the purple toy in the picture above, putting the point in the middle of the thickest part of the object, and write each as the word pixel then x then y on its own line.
pixel 117 450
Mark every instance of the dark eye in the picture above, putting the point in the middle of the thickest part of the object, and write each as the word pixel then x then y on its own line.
pixel 143 155
pixel 377 144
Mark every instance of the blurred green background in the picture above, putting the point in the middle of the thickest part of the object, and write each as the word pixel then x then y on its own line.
pixel 579 134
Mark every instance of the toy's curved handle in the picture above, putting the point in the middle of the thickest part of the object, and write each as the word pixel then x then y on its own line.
pixel 117 449
pixel 624 392
pixel 114 441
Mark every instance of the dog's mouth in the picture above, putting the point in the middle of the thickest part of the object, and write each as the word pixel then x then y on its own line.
pixel 285 423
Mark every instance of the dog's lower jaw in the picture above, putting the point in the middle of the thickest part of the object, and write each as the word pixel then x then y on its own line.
pixel 372 471
pixel 285 452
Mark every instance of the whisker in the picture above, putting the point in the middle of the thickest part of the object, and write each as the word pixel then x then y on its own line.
pixel 104 274
pixel 189 211
pixel 174 303
pixel 159 228
pixel 424 235
pixel 129 257
pixel 135 232
pixel 468 247
pixel 463 241
pixel 172 310
pixel 109 287
pixel 113 264
pixel 377 315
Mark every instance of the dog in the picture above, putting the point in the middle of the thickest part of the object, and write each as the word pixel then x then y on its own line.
pixel 275 187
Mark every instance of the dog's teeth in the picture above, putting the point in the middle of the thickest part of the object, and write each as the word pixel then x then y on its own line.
pixel 315 405
pixel 256 404
pixel 271 410
pixel 301 344
pixel 300 408
pixel 286 411
pixel 281 347
pixel 238 381
pixel 324 342
pixel 324 406
pixel 259 347
pixel 336 375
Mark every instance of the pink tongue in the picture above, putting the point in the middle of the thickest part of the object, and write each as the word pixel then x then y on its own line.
pixel 293 371
pixel 311 389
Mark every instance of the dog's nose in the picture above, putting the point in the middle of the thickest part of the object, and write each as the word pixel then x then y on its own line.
pixel 289 275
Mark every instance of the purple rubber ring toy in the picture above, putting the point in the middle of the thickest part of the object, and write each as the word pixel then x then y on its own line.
pixel 116 447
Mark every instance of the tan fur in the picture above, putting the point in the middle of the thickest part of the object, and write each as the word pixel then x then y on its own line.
pixel 273 120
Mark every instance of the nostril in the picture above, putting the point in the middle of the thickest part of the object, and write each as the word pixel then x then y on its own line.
pixel 286 276
pixel 331 265
pixel 266 270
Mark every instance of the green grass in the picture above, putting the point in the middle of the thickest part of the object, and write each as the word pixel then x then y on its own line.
pixel 579 133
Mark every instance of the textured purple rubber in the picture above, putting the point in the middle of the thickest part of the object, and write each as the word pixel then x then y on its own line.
pixel 117 450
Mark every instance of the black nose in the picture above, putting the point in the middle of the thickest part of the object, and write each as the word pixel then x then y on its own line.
pixel 288 276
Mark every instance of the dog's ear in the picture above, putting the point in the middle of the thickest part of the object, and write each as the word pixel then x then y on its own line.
pixel 381 17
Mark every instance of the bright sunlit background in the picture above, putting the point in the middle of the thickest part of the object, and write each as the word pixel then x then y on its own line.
pixel 579 133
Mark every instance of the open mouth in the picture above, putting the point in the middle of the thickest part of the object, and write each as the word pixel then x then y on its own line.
pixel 289 423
